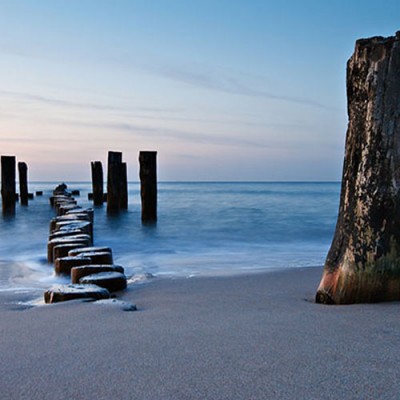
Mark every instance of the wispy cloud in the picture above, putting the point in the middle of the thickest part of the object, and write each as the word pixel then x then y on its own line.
pixel 33 51
pixel 42 139
pixel 213 79
pixel 210 137
pixel 53 101
pixel 168 134
pixel 162 114
pixel 205 77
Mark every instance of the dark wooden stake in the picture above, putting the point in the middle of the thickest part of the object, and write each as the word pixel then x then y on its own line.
pixel 23 183
pixel 114 182
pixel 8 193
pixel 97 182
pixel 124 187
pixel 363 263
pixel 148 185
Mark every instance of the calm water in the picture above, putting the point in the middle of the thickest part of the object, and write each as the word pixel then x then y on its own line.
pixel 202 229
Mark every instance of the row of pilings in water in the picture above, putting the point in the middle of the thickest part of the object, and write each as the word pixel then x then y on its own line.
pixel 70 248
pixel 117 184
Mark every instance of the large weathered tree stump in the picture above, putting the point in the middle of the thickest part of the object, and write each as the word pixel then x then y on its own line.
pixel 148 185
pixel 363 263
pixel 23 183
pixel 97 182
pixel 8 184
pixel 114 182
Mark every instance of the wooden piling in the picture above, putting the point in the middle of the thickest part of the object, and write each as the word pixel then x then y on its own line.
pixel 97 182
pixel 123 203
pixel 81 271
pixel 63 265
pixel 148 185
pixel 114 181
pixel 104 273
pixel 62 250
pixel 8 193
pixel 23 183
pixel 98 257
pixel 363 263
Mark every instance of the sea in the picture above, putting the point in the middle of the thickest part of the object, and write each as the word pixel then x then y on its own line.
pixel 203 229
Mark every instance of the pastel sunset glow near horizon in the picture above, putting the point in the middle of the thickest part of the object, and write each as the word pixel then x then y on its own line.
pixel 222 90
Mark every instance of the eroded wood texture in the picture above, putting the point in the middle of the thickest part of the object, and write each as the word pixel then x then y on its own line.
pixel 363 264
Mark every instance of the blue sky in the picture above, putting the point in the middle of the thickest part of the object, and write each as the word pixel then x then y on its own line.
pixel 223 90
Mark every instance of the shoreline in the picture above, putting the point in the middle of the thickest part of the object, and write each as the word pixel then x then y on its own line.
pixel 255 336
pixel 31 291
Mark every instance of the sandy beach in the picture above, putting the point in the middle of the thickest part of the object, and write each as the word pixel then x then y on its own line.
pixel 257 336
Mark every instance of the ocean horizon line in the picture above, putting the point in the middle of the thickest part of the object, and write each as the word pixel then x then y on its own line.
pixel 195 181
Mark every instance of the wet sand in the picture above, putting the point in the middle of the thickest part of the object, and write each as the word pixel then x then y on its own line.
pixel 257 336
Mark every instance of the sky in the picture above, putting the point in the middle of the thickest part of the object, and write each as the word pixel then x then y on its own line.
pixel 223 90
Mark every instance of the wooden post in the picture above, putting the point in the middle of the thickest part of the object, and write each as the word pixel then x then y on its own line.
pixel 148 185
pixel 363 263
pixel 114 182
pixel 23 183
pixel 97 182
pixel 8 193
pixel 124 187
